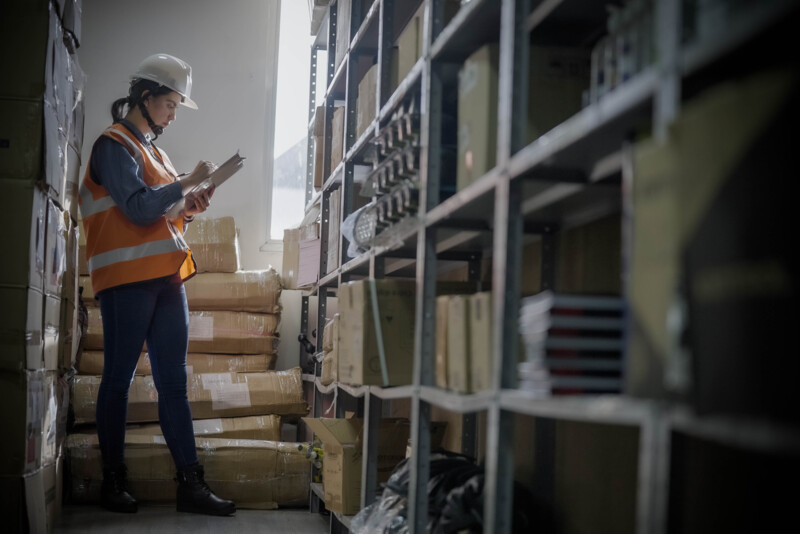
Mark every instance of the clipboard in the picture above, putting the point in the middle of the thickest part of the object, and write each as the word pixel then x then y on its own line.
pixel 220 175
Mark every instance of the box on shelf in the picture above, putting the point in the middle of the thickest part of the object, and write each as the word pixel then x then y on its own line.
pixel 334 228
pixel 51 340
pixel 24 205
pixel 91 363
pixel 308 263
pixel 214 244
pixel 260 427
pixel 291 257
pixel 256 474
pixel 477 115
pixel 409 46
pixel 366 100
pixel 211 395
pixel 26 26
pixel 22 317
pixel 442 305
pixel 557 78
pixel 330 346
pixel 359 359
pixel 30 403
pixel 343 14
pixel 459 372
pixel 480 342
pixel 342 447
pixel 337 137
pixel 248 291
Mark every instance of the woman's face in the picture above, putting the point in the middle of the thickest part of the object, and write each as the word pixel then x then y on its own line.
pixel 162 108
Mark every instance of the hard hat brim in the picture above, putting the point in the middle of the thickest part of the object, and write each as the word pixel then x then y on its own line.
pixel 188 102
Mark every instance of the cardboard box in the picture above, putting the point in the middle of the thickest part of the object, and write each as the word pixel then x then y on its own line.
pixel 25 206
pixel 32 502
pixel 343 453
pixel 260 427
pixel 319 162
pixel 72 182
pixel 29 402
pixel 291 257
pixel 366 100
pixel 334 229
pixel 22 318
pixel 214 245
pixel 590 257
pixel 91 363
pixel 211 395
pixel 442 305
pixel 83 266
pixel 557 77
pixel 51 332
pixel 459 371
pixel 359 360
pixel 330 346
pixel 409 46
pixel 69 287
pixel 228 332
pixel 248 291
pixel 56 237
pixel 477 115
pixel 87 292
pixel 480 342
pixel 255 474
pixel 337 137
pixel 25 26
pixel 308 268
pixel 342 30
pixel 21 127
pixel 69 336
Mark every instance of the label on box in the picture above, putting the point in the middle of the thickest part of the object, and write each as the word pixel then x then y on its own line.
pixel 207 426
pixel 230 396
pixel 201 328
pixel 215 380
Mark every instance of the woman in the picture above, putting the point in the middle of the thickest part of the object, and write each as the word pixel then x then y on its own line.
pixel 138 261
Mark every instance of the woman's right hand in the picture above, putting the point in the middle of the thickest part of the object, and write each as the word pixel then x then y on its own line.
pixel 200 173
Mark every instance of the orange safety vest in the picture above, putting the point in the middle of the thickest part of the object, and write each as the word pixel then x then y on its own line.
pixel 119 251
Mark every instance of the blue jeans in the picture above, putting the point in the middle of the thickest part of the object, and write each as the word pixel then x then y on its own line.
pixel 155 311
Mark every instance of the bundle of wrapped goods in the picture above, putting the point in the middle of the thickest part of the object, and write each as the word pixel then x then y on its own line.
pixel 214 245
pixel 330 348
pixel 256 474
pixel 211 396
pixel 42 109
pixel 91 363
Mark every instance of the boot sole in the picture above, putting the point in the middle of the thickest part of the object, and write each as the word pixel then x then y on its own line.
pixel 205 511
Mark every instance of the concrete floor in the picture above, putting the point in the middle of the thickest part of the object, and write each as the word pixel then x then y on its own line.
pixel 164 519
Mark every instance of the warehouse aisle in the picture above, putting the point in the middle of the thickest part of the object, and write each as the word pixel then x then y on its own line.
pixel 158 519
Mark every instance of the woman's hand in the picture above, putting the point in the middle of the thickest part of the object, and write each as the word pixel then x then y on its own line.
pixel 198 202
pixel 200 173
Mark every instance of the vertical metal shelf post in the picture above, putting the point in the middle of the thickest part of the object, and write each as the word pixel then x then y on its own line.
pixel 507 259
pixel 425 321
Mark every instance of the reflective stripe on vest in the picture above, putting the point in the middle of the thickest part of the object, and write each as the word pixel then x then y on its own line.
pixel 152 248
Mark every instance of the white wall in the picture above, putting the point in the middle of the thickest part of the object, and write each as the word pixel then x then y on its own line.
pixel 232 48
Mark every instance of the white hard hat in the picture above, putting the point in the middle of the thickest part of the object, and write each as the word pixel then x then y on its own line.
pixel 168 71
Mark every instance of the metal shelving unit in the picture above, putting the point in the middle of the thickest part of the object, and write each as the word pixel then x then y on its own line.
pixel 569 176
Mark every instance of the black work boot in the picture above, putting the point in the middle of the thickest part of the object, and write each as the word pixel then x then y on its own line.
pixel 115 496
pixel 196 497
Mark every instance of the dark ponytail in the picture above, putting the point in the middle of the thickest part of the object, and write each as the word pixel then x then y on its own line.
pixel 136 97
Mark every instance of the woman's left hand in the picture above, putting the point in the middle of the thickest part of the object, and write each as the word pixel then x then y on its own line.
pixel 198 202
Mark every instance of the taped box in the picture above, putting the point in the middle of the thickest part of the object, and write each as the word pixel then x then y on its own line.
pixel 342 447
pixel 211 395
pixel 219 332
pixel 214 245
pixel 91 363
pixel 30 407
pixel 263 427
pixel 32 502
pixel 248 291
pixel 21 339
pixel 256 474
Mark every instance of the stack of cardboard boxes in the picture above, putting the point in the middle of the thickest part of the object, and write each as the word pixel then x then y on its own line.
pixel 41 132
pixel 237 403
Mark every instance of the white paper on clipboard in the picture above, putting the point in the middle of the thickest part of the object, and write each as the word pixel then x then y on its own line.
pixel 216 178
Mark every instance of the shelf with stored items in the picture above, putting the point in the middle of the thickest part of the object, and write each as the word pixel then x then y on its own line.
pixel 540 194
